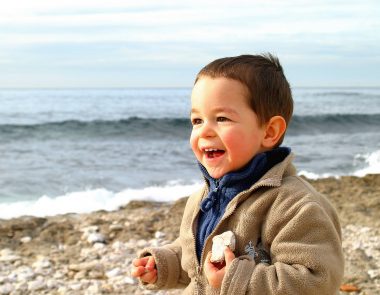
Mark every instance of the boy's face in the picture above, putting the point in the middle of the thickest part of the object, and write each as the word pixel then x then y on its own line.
pixel 226 134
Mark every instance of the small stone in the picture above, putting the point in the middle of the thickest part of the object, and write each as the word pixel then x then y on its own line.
pixel 80 275
pixel 36 285
pixel 93 289
pixel 130 281
pixel 58 275
pixel 159 235
pixel 25 240
pixel 117 246
pixel 116 227
pixel 6 252
pixel 113 272
pixel 99 246
pixel 63 290
pixel 24 273
pixel 96 238
pixel 22 288
pixel 42 262
pixel 96 274
pixel 9 258
pixel 51 284
pixel 76 287
pixel 219 244
pixel 107 288
pixel 374 273
pixel 141 243
pixel 6 289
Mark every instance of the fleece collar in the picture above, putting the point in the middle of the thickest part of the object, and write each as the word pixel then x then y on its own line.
pixel 222 190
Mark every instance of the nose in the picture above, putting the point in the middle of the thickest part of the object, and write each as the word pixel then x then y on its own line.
pixel 207 130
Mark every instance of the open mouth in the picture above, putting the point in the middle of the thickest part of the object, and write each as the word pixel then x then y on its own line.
pixel 213 153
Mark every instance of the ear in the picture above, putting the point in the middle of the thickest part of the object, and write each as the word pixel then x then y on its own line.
pixel 274 130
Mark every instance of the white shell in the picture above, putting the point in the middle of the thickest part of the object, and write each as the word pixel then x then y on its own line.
pixel 219 244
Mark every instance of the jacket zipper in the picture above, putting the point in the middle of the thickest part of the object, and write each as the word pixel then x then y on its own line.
pixel 199 265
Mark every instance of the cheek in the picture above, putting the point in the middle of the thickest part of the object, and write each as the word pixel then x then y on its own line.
pixel 240 145
pixel 234 140
pixel 194 142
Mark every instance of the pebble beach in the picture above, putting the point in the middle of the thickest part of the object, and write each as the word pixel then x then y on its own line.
pixel 92 253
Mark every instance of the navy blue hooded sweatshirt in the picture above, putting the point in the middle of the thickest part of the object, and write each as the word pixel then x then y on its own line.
pixel 224 189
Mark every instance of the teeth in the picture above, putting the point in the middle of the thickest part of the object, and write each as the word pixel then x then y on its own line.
pixel 211 150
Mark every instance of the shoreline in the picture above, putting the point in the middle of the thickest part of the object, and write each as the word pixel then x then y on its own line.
pixel 92 252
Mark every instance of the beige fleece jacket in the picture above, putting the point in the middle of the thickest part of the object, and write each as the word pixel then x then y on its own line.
pixel 297 226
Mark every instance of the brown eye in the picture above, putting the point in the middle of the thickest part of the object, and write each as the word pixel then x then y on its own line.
pixel 222 119
pixel 196 121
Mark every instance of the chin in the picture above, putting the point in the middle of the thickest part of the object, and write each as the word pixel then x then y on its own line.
pixel 216 174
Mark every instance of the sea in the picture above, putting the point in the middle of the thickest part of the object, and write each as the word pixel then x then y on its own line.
pixel 82 150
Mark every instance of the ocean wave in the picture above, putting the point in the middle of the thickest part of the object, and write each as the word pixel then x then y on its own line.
pixel 178 127
pixel 334 123
pixel 93 200
pixel 131 127
pixel 356 93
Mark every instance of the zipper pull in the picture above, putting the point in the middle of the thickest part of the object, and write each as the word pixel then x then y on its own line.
pixel 216 185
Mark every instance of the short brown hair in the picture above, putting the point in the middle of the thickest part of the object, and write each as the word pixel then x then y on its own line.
pixel 269 91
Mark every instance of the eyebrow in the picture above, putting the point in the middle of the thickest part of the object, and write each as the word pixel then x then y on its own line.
pixel 218 110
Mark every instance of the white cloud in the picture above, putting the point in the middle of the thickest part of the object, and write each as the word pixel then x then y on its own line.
pixel 184 32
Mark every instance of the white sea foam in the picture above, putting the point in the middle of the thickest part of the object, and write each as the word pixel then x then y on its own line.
pixel 312 175
pixel 92 200
pixel 372 161
pixel 369 164
pixel 102 199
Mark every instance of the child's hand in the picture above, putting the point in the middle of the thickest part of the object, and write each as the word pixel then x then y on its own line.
pixel 145 269
pixel 215 272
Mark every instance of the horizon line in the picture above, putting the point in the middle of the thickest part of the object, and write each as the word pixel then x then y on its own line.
pixel 162 87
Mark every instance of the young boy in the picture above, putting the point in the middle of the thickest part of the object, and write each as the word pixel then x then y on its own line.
pixel 288 238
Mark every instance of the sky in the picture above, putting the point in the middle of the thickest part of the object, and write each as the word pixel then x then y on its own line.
pixel 146 43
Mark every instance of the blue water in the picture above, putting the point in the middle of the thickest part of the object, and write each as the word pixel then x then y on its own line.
pixel 55 142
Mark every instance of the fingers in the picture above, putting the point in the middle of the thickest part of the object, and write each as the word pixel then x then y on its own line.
pixel 150 277
pixel 228 256
pixel 138 271
pixel 213 274
pixel 141 261
pixel 209 266
pixel 151 263
pixel 145 269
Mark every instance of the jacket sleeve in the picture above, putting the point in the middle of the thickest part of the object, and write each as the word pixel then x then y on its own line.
pixel 168 263
pixel 306 257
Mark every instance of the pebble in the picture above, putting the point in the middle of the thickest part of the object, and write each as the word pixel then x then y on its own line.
pixel 41 262
pixel 6 289
pixel 374 273
pixel 105 268
pixel 113 272
pixel 9 258
pixel 25 240
pixel 24 273
pixel 36 285
pixel 116 227
pixel 93 238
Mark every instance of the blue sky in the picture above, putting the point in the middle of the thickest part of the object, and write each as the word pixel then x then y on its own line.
pixel 80 43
